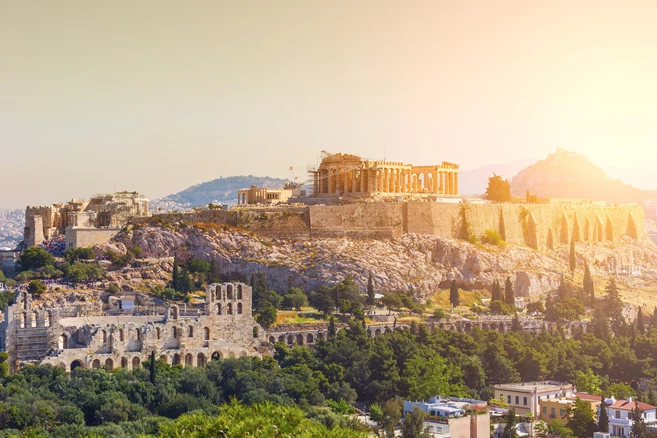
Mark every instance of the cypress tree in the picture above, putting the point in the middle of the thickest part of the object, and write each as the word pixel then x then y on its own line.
pixel 454 298
pixel 175 276
pixel 152 367
pixel 331 331
pixel 639 322
pixel 589 286
pixel 603 419
pixel 496 293
pixel 370 291
pixel 509 297
pixel 573 257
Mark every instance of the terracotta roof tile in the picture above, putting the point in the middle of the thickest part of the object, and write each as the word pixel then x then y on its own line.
pixel 628 406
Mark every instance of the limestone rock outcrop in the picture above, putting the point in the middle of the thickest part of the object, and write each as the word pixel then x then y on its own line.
pixel 419 263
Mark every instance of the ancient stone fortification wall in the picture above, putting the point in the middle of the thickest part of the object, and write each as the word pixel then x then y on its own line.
pixel 379 220
pixel 538 226
pixel 290 223
pixel 87 237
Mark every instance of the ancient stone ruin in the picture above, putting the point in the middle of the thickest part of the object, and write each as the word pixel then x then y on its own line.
pixel 87 334
pixel 83 222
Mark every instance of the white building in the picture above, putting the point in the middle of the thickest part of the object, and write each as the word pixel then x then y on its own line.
pixel 619 415
pixel 449 417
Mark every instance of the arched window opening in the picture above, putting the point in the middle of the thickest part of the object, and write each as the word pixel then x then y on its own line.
pixel 239 308
pixel 219 309
pixel 229 292
pixel 63 342
pixel 239 291
pixel 230 309
pixel 190 332
pixel 206 334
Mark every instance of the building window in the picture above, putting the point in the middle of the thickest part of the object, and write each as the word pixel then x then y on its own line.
pixel 190 332
pixel 517 400
pixel 561 413
pixel 524 401
pixel 552 414
pixel 508 399
pixel 617 414
pixel 544 410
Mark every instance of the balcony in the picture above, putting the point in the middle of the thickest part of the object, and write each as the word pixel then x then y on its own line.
pixel 620 421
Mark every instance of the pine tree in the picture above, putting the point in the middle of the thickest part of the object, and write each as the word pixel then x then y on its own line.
pixel 454 298
pixel 589 286
pixel 509 298
pixel 603 418
pixel 370 290
pixel 573 257
pixel 639 322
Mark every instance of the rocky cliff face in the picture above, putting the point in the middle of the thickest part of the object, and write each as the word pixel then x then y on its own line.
pixel 420 263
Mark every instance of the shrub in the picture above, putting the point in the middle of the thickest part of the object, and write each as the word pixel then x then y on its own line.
pixel 492 237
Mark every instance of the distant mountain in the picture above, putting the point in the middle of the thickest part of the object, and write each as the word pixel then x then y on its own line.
pixel 565 174
pixel 475 181
pixel 222 190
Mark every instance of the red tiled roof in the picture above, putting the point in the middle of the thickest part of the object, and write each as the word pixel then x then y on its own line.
pixel 587 396
pixel 628 406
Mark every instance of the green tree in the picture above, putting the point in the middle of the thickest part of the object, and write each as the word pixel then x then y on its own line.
pixel 639 322
pixel 428 374
pixel 509 297
pixel 639 428
pixel 392 301
pixel 603 418
pixel 614 306
pixel 370 291
pixel 511 421
pixel 589 286
pixel 573 257
pixel 267 316
pixel 392 413
pixel 295 298
pixel 36 287
pixel 499 189
pixel 322 300
pixel 588 381
pixel 496 294
pixel 553 429
pixel 413 425
pixel 151 368
pixel 35 258
pixel 454 298
pixel 580 419
pixel 175 275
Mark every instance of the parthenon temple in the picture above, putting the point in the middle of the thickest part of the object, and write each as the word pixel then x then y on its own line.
pixel 344 174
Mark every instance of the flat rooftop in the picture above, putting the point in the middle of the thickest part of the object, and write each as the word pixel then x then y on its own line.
pixel 532 386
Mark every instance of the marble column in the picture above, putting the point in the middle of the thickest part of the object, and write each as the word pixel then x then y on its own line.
pixel 456 183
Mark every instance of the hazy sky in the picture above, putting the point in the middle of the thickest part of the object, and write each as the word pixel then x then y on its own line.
pixel 156 96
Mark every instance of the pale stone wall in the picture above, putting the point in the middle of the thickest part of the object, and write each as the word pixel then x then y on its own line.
pixel 87 237
pixel 539 226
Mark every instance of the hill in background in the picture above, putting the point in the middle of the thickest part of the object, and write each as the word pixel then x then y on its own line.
pixel 221 190
pixel 565 174
pixel 475 181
